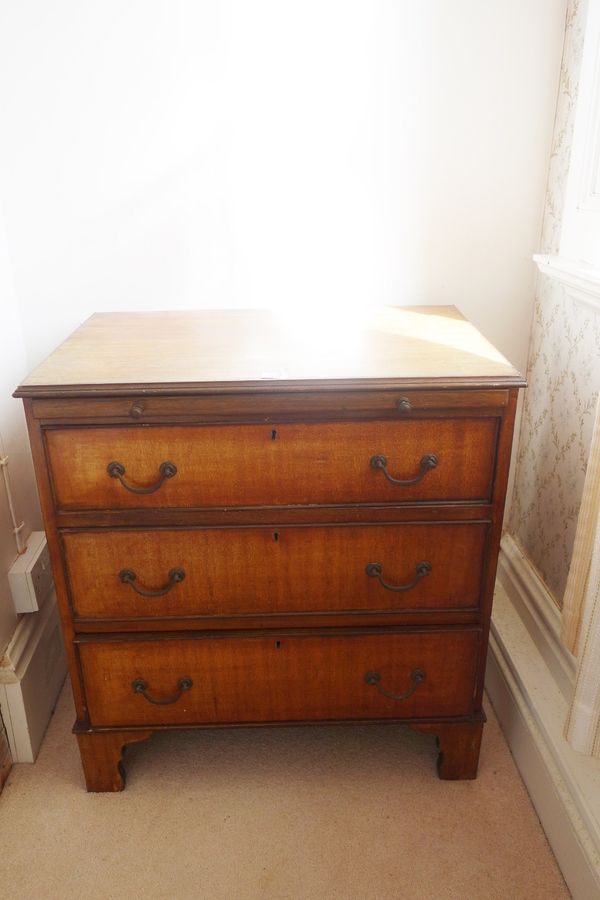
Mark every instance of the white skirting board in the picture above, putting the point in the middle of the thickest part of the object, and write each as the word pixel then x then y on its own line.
pixel 32 672
pixel 527 681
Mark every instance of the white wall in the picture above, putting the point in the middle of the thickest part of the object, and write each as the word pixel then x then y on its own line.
pixel 202 153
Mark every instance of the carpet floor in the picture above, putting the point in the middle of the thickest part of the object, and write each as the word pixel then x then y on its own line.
pixel 328 813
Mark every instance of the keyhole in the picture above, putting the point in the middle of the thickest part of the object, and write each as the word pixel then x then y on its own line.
pixel 274 434
pixel 277 645
pixel 275 536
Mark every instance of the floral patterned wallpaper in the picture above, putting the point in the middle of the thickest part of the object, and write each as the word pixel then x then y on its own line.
pixel 564 122
pixel 556 431
pixel 563 371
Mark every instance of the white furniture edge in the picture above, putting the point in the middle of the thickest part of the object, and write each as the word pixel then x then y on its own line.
pixel 32 672
pixel 581 281
pixel 523 686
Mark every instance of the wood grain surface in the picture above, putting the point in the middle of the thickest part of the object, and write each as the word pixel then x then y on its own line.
pixel 262 348
pixel 265 406
pixel 250 465
pixel 279 677
pixel 245 571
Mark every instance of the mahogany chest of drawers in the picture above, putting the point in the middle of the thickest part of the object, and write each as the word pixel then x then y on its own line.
pixel 260 520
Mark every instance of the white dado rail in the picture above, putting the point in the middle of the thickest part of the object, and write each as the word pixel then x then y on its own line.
pixel 581 280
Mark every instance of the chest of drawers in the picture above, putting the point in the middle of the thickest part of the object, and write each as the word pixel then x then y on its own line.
pixel 252 521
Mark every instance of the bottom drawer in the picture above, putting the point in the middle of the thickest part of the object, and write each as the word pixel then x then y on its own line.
pixel 279 678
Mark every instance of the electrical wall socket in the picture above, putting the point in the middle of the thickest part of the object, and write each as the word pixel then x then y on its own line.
pixel 30 577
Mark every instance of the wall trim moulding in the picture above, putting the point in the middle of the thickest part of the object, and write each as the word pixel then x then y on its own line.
pixel 538 611
pixel 523 684
pixel 580 280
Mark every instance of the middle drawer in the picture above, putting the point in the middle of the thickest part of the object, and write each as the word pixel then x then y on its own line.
pixel 206 572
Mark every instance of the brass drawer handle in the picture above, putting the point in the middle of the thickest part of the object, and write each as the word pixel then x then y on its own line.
pixel 141 687
pixel 429 461
pixel 375 570
pixel 175 576
pixel 417 677
pixel 117 470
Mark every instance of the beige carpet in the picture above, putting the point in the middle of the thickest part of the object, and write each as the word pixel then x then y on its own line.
pixel 294 813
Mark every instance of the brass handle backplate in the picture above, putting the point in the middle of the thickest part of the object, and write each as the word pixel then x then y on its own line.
pixel 429 461
pixel 117 470
pixel 375 570
pixel 175 576
pixel 417 677
pixel 141 687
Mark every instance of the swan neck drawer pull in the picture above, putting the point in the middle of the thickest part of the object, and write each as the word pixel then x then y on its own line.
pixel 175 576
pixel 117 470
pixel 417 677
pixel 375 570
pixel 429 461
pixel 141 687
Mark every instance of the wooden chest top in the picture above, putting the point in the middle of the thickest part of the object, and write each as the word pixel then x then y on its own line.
pixel 260 350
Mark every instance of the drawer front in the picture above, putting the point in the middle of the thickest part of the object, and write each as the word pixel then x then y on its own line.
pixel 282 678
pixel 263 465
pixel 266 571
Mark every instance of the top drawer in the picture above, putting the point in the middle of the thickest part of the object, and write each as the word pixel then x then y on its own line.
pixel 263 465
